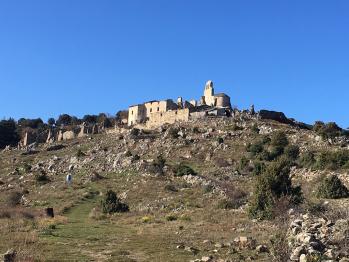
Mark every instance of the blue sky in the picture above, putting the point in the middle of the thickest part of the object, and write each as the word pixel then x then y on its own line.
pixel 85 57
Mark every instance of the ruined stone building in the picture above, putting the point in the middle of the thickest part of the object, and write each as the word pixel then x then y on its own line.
pixel 154 113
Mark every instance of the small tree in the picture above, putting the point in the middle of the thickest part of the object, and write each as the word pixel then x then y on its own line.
pixel 183 170
pixel 332 187
pixel 270 186
pixel 112 204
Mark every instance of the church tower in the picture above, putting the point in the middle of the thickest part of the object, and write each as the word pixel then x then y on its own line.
pixel 209 93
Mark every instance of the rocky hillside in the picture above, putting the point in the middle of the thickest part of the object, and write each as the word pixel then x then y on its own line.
pixel 223 189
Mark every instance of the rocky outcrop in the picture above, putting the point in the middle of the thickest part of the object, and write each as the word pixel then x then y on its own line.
pixel 312 237
pixel 276 116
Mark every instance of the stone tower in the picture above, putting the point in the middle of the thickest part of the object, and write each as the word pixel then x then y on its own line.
pixel 209 93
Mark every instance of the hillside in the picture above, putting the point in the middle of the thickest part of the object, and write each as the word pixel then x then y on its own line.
pixel 189 188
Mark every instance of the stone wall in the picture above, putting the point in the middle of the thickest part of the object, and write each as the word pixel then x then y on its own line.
pixel 170 117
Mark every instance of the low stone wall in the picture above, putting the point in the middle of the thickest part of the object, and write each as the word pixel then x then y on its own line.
pixel 169 117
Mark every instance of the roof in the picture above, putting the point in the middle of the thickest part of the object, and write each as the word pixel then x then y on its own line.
pixel 220 95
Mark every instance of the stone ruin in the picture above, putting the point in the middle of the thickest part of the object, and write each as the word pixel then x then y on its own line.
pixel 58 134
pixel 155 113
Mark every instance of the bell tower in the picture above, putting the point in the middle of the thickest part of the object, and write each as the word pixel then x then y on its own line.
pixel 209 93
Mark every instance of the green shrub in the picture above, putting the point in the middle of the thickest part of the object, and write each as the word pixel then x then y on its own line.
pixel 255 148
pixel 42 178
pixel 332 187
pixel 329 130
pixel 220 140
pixel 270 186
pixel 171 188
pixel 183 170
pixel 171 217
pixel 243 163
pixel 259 168
pixel 279 139
pixel 307 159
pixel 292 151
pixel 112 204
pixel 208 188
pixel 332 160
pixel 80 153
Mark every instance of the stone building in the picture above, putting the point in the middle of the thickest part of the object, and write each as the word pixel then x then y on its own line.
pixel 218 100
pixel 154 113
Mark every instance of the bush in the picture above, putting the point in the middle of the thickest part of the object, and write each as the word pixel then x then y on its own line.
pixel 136 157
pixel 79 153
pixel 292 151
pixel 220 140
pixel 14 199
pixel 270 186
pixel 279 139
pixel 332 187
pixel 135 132
pixel 332 160
pixel 255 148
pixel 42 178
pixel 255 129
pixel 329 130
pixel 159 163
pixel 112 204
pixel 184 170
pixel 259 168
pixel 171 218
pixel 196 130
pixel 174 132
pixel 307 160
pixel 243 163
pixel 171 188
pixel 234 197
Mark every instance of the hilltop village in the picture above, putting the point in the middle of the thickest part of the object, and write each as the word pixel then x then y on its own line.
pixel 155 113
pixel 148 115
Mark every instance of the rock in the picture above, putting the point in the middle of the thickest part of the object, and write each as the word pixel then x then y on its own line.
pixel 10 255
pixel 192 250
pixel 245 242
pixel 262 249
pixel 180 246
pixel 303 258
pixel 297 252
pixel 219 245
pixel 206 259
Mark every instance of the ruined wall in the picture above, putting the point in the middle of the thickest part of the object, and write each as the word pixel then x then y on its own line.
pixel 159 118
pixel 136 114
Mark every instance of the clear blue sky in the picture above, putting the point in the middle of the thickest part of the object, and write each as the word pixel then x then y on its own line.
pixel 85 57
